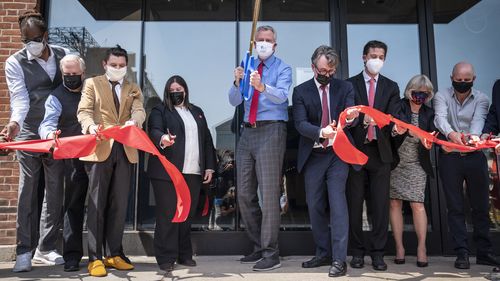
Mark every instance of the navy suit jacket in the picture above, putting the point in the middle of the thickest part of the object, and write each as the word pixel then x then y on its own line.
pixel 307 112
pixel 491 125
pixel 387 100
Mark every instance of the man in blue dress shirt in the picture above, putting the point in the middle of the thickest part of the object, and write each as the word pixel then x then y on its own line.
pixel 60 120
pixel 260 152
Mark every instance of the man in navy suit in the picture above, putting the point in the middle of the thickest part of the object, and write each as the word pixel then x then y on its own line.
pixel 317 104
pixel 377 91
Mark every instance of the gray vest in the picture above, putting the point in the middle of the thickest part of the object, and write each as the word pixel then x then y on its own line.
pixel 39 86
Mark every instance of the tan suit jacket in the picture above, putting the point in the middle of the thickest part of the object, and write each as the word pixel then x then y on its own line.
pixel 97 107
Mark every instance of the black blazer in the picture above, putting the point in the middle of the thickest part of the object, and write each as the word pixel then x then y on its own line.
pixel 426 123
pixel 161 119
pixel 386 100
pixel 492 123
pixel 307 112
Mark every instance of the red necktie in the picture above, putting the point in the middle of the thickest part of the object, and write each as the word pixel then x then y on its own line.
pixel 325 114
pixel 371 100
pixel 252 116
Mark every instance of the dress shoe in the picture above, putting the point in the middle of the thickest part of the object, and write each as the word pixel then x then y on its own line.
pixel 168 266
pixel 251 258
pixel 422 264
pixel 317 262
pixel 399 261
pixel 71 265
pixel 96 268
pixel 187 262
pixel 488 259
pixel 462 261
pixel 337 269
pixel 118 263
pixel 378 263
pixel 357 262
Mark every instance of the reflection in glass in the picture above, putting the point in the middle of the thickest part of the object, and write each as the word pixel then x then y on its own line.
pixel 74 25
pixel 287 10
pixel 380 11
pixel 468 35
pixel 191 10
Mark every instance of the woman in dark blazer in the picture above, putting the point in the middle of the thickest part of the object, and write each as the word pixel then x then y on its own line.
pixel 411 166
pixel 180 131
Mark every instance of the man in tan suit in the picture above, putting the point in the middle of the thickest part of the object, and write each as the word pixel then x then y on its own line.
pixel 109 100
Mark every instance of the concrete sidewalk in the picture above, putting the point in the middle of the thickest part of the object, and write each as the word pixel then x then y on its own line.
pixel 228 268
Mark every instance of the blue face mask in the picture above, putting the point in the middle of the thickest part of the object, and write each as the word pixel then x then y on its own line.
pixel 419 97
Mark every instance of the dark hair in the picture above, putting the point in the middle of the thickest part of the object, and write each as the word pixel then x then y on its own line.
pixel 117 51
pixel 32 18
pixel 328 52
pixel 166 93
pixel 375 44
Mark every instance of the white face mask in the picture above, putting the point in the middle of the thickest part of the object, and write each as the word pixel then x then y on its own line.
pixel 374 65
pixel 35 48
pixel 264 49
pixel 115 74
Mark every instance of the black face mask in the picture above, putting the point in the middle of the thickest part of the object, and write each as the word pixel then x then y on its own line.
pixel 72 82
pixel 462 87
pixel 177 98
pixel 323 79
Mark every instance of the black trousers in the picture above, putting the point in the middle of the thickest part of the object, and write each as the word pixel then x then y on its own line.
pixel 377 174
pixel 75 191
pixel 172 241
pixel 472 168
pixel 109 187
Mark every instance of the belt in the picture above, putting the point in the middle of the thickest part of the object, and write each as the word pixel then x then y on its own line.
pixel 261 123
pixel 370 143
pixel 461 154
pixel 327 149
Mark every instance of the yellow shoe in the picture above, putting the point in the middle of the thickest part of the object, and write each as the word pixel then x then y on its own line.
pixel 96 268
pixel 118 263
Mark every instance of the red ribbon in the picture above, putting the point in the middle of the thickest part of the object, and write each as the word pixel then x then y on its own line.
pixel 350 154
pixel 84 145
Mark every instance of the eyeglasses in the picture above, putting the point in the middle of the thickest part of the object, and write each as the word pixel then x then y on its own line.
pixel 38 39
pixel 325 72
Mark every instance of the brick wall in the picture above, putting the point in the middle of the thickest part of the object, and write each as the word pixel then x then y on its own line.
pixel 10 42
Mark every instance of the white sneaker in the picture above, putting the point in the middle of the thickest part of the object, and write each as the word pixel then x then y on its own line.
pixel 23 263
pixel 48 258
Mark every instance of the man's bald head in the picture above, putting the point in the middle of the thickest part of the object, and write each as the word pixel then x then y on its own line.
pixel 462 77
pixel 463 68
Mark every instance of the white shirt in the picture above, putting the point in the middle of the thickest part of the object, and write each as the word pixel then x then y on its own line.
pixel 19 96
pixel 320 92
pixel 118 88
pixel 192 148
pixel 367 83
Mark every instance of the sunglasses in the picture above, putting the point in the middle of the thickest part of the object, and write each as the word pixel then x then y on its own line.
pixel 38 39
pixel 419 93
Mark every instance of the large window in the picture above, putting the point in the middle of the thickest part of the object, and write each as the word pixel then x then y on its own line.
pixel 78 28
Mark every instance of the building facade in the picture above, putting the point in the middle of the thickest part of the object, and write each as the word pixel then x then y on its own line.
pixel 204 40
